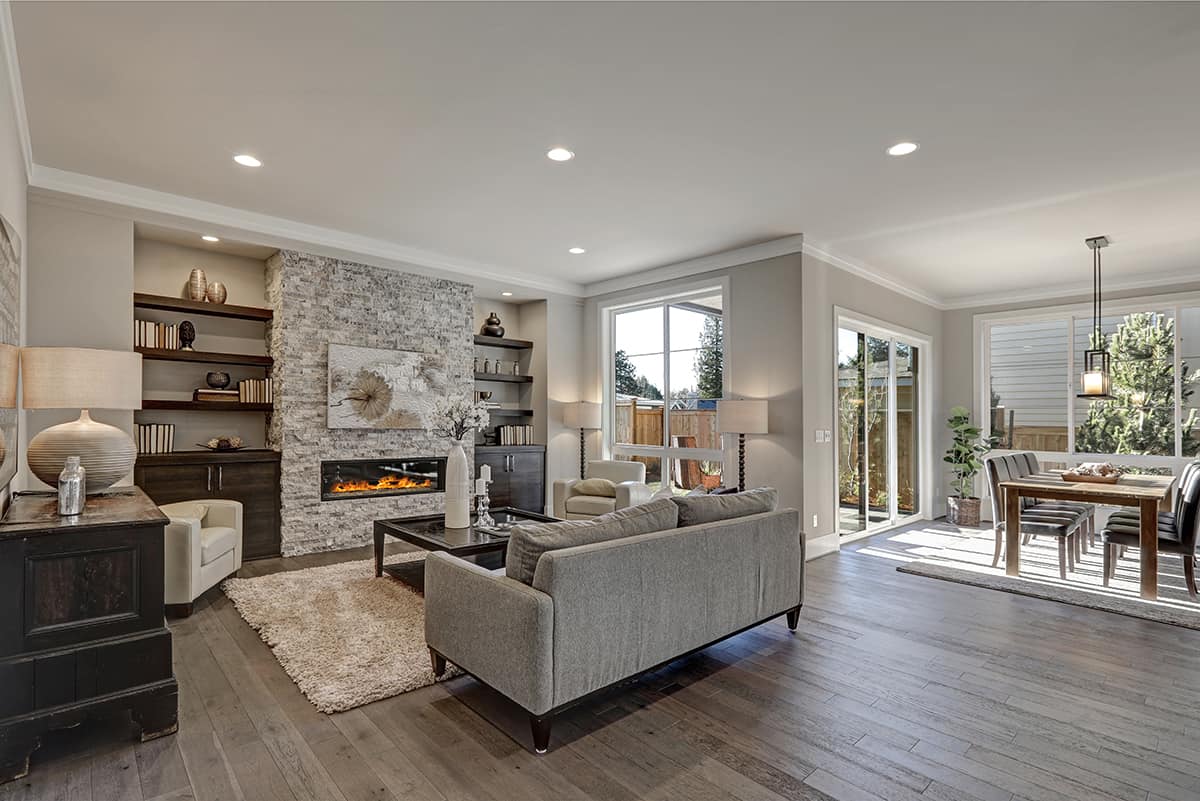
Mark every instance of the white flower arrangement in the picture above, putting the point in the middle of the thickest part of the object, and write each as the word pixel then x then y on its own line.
pixel 455 417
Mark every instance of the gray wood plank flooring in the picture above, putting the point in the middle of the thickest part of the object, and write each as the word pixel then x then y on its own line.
pixel 895 687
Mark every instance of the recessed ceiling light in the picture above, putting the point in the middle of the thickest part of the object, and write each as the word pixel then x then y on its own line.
pixel 506 294
pixel 246 160
pixel 576 251
pixel 903 148
pixel 208 238
pixel 559 154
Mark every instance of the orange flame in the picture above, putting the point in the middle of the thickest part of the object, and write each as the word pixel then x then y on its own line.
pixel 385 483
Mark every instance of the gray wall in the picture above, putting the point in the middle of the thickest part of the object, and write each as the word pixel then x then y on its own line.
pixel 825 288
pixel 13 188
pixel 320 300
pixel 80 294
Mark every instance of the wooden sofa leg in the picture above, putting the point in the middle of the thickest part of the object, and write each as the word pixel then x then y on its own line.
pixel 438 661
pixel 541 733
pixel 793 618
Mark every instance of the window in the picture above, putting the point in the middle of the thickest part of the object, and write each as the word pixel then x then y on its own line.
pixel 666 374
pixel 1032 375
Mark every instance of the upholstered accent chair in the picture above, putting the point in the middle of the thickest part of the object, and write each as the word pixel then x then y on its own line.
pixel 203 546
pixel 628 478
pixel 1177 529
pixel 1070 522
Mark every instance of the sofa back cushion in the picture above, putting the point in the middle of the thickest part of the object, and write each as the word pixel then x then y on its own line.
pixel 528 542
pixel 695 510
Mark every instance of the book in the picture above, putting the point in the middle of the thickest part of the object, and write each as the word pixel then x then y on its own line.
pixel 155 437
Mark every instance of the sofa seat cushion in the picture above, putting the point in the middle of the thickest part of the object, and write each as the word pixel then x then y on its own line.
pixel 597 486
pixel 695 510
pixel 593 505
pixel 215 542
pixel 527 543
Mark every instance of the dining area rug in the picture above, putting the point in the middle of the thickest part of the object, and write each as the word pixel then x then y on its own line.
pixel 345 637
pixel 964 555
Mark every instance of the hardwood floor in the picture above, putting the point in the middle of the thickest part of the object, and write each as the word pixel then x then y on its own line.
pixel 895 687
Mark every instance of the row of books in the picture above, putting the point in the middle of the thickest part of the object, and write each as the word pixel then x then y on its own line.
pixel 155 437
pixel 514 435
pixel 155 335
pixel 250 390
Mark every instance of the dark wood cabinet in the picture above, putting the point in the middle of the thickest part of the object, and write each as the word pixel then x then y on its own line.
pixel 518 475
pixel 250 476
pixel 82 631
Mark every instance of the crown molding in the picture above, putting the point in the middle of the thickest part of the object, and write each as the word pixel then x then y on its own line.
pixel 716 261
pixel 1155 281
pixel 8 44
pixel 163 208
pixel 860 270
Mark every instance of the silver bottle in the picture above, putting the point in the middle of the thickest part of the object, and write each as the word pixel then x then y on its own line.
pixel 71 484
pixel 516 368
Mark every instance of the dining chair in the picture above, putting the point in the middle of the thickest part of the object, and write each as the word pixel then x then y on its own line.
pixel 1177 530
pixel 1054 519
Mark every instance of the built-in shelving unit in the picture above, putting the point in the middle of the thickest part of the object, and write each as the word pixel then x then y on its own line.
pixel 504 379
pixel 204 357
pixel 142 300
pixel 203 406
pixel 503 342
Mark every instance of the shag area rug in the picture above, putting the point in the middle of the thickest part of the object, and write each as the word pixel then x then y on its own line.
pixel 946 552
pixel 345 637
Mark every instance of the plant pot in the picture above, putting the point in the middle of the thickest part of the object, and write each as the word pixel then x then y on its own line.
pixel 710 483
pixel 962 512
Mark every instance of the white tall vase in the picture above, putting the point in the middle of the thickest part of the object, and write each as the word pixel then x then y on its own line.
pixel 458 488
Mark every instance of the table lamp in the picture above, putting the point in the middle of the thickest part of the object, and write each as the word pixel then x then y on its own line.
pixel 584 416
pixel 81 378
pixel 742 417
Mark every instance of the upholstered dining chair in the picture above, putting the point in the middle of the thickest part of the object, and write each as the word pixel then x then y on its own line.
pixel 1054 519
pixel 1177 530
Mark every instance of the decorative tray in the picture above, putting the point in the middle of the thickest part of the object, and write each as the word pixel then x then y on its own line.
pixel 1067 475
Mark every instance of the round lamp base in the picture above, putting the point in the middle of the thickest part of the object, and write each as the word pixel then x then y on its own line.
pixel 106 452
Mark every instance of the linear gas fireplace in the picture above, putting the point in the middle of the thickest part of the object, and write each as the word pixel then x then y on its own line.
pixel 370 478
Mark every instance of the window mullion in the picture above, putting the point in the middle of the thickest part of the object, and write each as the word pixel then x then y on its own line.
pixel 1071 384
pixel 1177 383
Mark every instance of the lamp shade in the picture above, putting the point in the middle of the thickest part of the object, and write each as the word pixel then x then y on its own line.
pixel 582 414
pixel 742 416
pixel 80 378
pixel 10 360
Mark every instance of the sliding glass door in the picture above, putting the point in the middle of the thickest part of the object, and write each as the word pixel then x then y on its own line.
pixel 878 429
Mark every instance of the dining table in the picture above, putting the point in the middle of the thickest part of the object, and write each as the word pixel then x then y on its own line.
pixel 1147 493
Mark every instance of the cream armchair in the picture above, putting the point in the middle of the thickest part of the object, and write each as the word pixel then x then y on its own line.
pixel 203 546
pixel 631 489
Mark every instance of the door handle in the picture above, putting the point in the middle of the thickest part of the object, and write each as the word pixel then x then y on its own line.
pixel 210 478
pixel 511 466
pixel 220 477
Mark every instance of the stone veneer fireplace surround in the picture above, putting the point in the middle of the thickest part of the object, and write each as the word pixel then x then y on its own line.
pixel 318 300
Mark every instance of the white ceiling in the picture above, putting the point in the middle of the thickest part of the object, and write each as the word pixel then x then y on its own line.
pixel 699 127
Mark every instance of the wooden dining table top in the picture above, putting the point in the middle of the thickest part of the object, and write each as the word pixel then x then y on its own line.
pixel 1130 486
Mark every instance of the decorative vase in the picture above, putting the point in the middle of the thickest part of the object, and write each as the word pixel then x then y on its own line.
pixel 197 284
pixel 216 292
pixel 962 512
pixel 458 488
pixel 187 335
pixel 491 326
pixel 217 380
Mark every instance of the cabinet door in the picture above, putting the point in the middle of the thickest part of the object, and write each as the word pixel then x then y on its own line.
pixel 526 481
pixel 170 483
pixel 498 492
pixel 256 485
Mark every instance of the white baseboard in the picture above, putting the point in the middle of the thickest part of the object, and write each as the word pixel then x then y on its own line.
pixel 817 547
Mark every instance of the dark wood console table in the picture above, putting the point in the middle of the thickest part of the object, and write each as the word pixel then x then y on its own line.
pixel 81 626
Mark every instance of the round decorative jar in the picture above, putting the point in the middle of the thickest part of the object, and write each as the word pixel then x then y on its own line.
pixel 216 292
pixel 217 380
pixel 491 326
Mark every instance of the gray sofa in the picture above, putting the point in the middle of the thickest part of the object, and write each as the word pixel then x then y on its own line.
pixel 599 613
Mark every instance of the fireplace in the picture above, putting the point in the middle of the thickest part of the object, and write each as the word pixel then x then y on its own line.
pixel 373 478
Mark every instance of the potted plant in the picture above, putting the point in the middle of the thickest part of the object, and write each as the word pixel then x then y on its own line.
pixel 965 459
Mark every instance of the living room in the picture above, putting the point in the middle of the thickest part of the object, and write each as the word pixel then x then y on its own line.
pixel 598 400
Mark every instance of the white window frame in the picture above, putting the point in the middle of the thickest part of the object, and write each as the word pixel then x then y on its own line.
pixel 664 452
pixel 1172 304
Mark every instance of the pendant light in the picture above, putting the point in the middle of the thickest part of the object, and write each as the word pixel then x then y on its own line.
pixel 1094 380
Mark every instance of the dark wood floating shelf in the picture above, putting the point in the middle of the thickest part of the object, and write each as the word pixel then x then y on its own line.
pixel 203 406
pixel 170 355
pixel 203 455
pixel 510 412
pixel 507 379
pixel 501 342
pixel 141 300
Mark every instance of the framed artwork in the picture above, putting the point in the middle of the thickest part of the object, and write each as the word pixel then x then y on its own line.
pixel 378 388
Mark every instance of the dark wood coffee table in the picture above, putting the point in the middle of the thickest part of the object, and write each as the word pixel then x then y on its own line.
pixel 429 532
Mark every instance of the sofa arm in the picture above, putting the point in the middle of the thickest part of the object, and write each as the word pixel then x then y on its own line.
pixel 495 628
pixel 224 512
pixel 563 488
pixel 631 493
pixel 181 560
